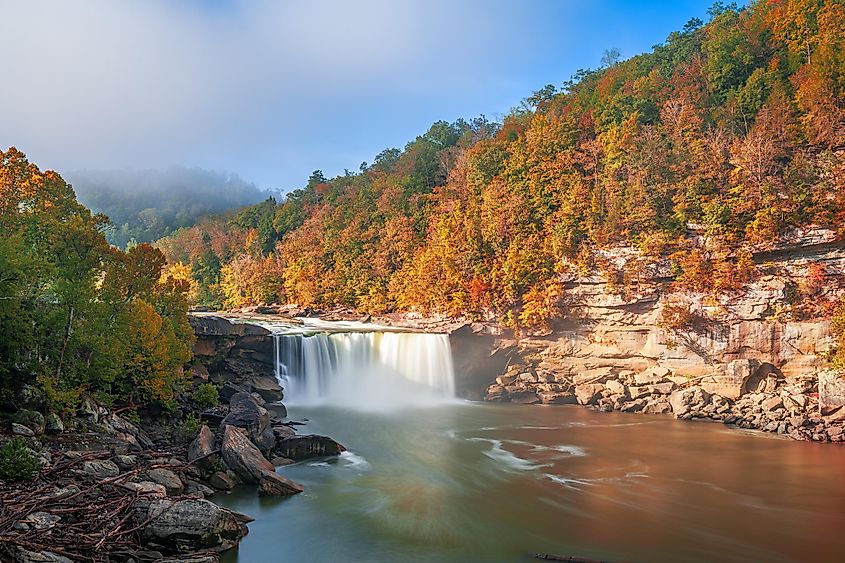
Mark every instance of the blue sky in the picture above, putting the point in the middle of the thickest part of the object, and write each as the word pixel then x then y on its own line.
pixel 273 90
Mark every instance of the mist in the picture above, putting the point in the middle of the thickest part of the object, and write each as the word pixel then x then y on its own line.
pixel 145 205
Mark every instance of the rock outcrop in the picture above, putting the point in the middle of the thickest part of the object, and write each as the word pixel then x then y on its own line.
pixel 298 448
pixel 742 358
pixel 241 455
pixel 246 413
pixel 236 354
pixel 189 525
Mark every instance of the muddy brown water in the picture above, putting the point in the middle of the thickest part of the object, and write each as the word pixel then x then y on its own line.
pixel 485 482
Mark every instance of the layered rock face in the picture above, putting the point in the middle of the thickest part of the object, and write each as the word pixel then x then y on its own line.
pixel 740 358
pixel 237 356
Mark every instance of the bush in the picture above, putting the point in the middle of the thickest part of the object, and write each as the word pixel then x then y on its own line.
pixel 188 429
pixel 17 461
pixel 207 396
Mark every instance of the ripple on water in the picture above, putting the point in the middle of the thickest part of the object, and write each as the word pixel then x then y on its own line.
pixel 354 460
pixel 503 456
pixel 569 450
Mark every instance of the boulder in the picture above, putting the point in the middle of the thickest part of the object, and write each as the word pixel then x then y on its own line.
pixel 167 479
pixel 246 413
pixel 22 430
pixel 53 424
pixel 593 376
pixel 42 520
pixel 221 480
pixel 557 398
pixel 99 469
pixel 124 430
pixel 189 525
pixel 616 387
pixel 831 391
pixel 199 372
pixel 61 493
pixel 588 393
pixel 772 404
pixel 662 388
pixel 274 485
pixel 637 391
pixel 267 387
pixel 283 432
pixel 33 420
pixel 658 406
pixel 148 488
pixel 21 555
pixel 197 488
pixel 305 447
pixel 527 377
pixel 634 406
pixel 228 390
pixel 277 411
pixel 202 445
pixel 651 375
pixel 524 397
pixel 242 456
pixel 505 380
pixel 88 410
pixel 125 462
pixel 684 401
pixel 496 392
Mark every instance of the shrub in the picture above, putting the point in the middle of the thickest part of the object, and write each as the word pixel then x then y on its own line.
pixel 188 429
pixel 207 396
pixel 18 461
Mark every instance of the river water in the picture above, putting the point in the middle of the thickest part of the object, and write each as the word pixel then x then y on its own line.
pixel 486 482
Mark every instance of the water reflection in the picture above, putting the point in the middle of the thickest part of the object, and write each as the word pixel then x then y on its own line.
pixel 498 482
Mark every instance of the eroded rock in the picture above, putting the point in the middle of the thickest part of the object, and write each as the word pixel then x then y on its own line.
pixel 299 448
pixel 831 391
pixel 189 525
pixel 242 456
pixel 684 401
pixel 246 413
pixel 99 469
pixel 202 445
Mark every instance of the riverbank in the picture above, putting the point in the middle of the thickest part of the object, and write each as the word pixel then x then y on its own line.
pixel 102 488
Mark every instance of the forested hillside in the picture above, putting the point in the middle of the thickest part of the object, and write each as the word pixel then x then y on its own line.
pixel 78 316
pixel 145 205
pixel 715 143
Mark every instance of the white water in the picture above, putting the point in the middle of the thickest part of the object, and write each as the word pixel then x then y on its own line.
pixel 362 366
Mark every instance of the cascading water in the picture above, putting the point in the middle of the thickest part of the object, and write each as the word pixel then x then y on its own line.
pixel 362 366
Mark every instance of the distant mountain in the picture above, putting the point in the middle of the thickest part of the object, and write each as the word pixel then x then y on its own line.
pixel 145 205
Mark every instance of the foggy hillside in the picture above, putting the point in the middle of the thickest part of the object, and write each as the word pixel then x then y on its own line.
pixel 145 205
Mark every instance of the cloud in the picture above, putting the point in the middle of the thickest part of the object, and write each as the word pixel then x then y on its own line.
pixel 271 89
pixel 110 83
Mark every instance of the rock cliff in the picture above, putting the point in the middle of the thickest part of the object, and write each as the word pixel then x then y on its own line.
pixel 751 350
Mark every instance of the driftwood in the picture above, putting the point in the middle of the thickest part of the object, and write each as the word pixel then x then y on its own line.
pixel 95 522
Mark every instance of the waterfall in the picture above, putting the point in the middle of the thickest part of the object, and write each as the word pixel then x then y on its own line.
pixel 366 368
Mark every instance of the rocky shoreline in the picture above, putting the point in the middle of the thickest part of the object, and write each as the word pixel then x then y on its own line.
pixel 748 393
pixel 750 396
pixel 108 489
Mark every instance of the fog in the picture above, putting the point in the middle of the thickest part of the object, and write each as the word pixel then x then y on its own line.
pixel 145 205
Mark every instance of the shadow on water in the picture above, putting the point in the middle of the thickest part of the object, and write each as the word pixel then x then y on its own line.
pixel 482 482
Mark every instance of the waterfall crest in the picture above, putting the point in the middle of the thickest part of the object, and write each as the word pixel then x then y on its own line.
pixel 363 366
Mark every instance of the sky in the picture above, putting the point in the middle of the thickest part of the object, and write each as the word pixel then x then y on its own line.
pixel 272 90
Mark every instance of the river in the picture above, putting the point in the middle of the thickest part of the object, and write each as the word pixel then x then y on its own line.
pixel 486 482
